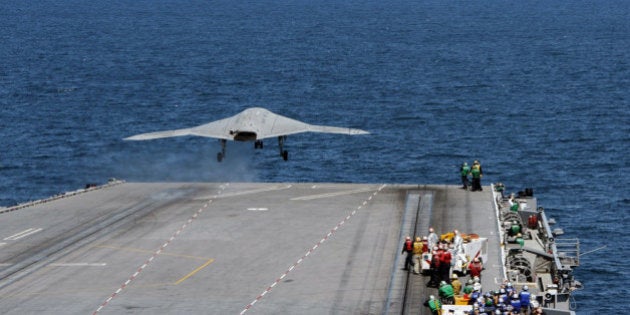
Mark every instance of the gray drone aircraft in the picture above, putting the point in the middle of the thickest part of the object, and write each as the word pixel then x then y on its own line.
pixel 252 124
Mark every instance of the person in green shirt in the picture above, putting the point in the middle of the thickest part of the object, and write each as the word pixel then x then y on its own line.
pixel 464 172
pixel 515 228
pixel 434 305
pixel 519 240
pixel 446 292
pixel 476 172
pixel 468 288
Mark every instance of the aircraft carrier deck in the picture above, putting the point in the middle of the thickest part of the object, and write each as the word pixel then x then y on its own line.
pixel 231 248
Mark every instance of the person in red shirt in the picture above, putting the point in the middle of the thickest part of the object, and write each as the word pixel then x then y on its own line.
pixel 475 268
pixel 435 268
pixel 408 248
pixel 425 244
pixel 445 266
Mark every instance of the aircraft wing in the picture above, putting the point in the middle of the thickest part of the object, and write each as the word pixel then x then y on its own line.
pixel 251 124
pixel 217 129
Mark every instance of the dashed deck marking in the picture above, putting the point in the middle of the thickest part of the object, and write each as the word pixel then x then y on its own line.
pixel 301 259
pixel 141 268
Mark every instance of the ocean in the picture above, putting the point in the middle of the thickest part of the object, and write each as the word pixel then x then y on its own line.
pixel 538 91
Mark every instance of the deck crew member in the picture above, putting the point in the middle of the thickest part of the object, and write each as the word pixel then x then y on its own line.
pixel 408 248
pixel 433 238
pixel 525 296
pixel 475 268
pixel 464 171
pixel 468 289
pixel 515 228
pixel 476 172
pixel 446 292
pixel 458 243
pixel 435 268
pixel 516 303
pixel 434 305
pixel 417 255
pixel 445 265
pixel 425 244
pixel 457 285
pixel 519 240
pixel 514 205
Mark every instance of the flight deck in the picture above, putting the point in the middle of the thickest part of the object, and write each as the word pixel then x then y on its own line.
pixel 231 248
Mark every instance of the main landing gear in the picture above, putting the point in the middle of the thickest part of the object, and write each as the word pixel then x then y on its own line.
pixel 283 153
pixel 221 154
pixel 258 144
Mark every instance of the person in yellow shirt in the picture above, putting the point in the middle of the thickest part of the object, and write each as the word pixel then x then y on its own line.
pixel 417 255
pixel 457 285
pixel 477 173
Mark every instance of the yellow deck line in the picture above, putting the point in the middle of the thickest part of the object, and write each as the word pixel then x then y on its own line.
pixel 194 271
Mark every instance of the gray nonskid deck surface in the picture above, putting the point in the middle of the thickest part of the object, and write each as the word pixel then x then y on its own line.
pixel 243 238
pixel 223 248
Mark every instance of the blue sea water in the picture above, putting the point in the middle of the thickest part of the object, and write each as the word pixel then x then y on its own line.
pixel 538 91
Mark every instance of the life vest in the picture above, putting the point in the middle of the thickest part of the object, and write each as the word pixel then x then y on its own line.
pixel 435 260
pixel 516 304
pixel 475 269
pixel 532 221
pixel 408 245
pixel 425 246
pixel 468 289
pixel 465 170
pixel 435 305
pixel 525 298
pixel 515 229
pixel 475 171
pixel 446 291
pixel 445 258
pixel 417 248
pixel 457 286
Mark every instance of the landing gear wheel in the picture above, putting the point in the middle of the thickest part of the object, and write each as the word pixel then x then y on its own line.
pixel 219 157
pixel 285 155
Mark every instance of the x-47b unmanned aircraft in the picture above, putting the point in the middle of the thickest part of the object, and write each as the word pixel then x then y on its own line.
pixel 252 124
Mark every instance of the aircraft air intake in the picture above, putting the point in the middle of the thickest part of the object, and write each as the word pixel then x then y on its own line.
pixel 244 135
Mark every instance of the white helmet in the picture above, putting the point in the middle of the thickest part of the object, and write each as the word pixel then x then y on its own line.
pixel 525 288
